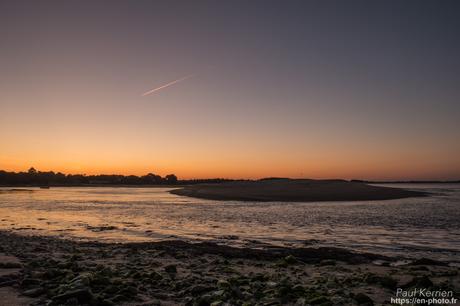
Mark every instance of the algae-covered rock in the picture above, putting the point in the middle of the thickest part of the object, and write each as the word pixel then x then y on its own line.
pixel 419 281
pixel 199 289
pixel 10 265
pixel 327 262
pixel 363 299
pixel 385 281
pixel 34 292
pixel 320 300
pixel 172 269
pixel 290 260
pixel 223 284
pixel 83 296
pixel 129 291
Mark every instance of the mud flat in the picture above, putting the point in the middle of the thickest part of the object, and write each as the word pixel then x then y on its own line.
pixel 295 191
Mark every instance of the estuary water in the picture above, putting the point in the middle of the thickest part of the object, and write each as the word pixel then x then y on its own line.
pixel 413 227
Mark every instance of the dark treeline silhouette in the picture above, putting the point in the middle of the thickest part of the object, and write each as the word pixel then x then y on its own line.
pixel 50 178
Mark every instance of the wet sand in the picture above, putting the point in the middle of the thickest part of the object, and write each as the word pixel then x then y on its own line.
pixel 295 191
pixel 50 271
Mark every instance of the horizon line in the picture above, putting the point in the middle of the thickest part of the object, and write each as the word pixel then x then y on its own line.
pixel 254 179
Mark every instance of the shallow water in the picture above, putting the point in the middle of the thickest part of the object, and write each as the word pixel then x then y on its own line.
pixel 428 226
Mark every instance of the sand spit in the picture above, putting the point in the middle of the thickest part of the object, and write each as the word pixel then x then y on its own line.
pixel 295 191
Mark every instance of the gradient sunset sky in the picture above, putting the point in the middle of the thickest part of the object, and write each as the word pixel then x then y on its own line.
pixel 318 89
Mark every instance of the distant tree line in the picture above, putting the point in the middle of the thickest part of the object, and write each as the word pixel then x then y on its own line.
pixel 50 178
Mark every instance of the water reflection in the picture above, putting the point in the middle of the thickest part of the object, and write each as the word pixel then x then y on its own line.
pixel 419 226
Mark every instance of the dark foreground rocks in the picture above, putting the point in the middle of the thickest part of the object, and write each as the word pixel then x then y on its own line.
pixel 60 272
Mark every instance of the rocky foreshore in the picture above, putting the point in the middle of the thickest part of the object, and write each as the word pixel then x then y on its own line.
pixel 51 271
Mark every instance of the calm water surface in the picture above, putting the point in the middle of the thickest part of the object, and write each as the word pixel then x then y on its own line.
pixel 411 227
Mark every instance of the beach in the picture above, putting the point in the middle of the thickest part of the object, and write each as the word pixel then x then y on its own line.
pixel 50 271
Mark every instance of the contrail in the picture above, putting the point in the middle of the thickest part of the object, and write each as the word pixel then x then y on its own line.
pixel 168 84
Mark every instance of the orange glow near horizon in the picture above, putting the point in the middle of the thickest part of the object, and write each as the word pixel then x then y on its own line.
pixel 125 143
pixel 244 167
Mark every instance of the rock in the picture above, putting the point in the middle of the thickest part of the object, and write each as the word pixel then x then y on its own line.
pixel 75 257
pixel 446 273
pixel 118 298
pixel 388 282
pixel 171 269
pixel 236 292
pixel 384 281
pixel 9 277
pixel 199 289
pixel 105 302
pixel 34 292
pixel 218 294
pixel 298 288
pixel 290 260
pixel 223 284
pixel 363 299
pixel 155 276
pixel 420 268
pixel 101 228
pixel 228 270
pixel 10 265
pixel 105 271
pixel 301 302
pixel 111 289
pixel 271 284
pixel 84 279
pixel 27 282
pixel 311 241
pixel 7 283
pixel 53 273
pixel 204 300
pixel 327 262
pixel 428 262
pixel 320 300
pixel 152 303
pixel 229 237
pixel 420 282
pixel 83 296
pixel 129 291
pixel 382 263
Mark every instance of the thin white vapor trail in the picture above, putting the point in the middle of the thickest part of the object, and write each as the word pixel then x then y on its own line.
pixel 168 84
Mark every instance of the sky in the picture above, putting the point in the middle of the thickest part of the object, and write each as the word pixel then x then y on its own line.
pixel 317 89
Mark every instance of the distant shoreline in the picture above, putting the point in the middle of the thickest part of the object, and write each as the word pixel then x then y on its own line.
pixel 33 178
pixel 186 184
pixel 96 185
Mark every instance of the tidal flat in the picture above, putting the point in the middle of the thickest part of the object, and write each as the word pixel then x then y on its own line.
pixel 417 226
pixel 51 271
pixel 146 246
